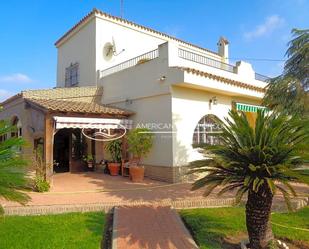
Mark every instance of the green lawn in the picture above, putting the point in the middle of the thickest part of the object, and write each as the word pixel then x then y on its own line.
pixel 74 230
pixel 211 226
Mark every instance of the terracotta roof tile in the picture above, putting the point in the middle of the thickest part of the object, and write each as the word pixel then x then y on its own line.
pixel 222 79
pixel 77 107
pixel 121 20
pixel 77 93
pixel 84 94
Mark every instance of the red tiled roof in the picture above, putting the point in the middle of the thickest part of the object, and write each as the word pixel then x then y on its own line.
pixel 77 107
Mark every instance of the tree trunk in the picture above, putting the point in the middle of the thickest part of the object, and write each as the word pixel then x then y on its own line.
pixel 258 211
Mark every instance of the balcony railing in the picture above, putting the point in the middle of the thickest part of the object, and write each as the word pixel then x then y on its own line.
pixel 205 60
pixel 131 63
pixel 261 77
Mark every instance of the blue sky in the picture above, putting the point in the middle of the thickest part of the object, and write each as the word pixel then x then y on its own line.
pixel 258 29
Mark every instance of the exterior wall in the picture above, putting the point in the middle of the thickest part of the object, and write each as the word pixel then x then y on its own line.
pixel 133 42
pixel 139 90
pixel 181 100
pixel 79 48
pixel 243 71
pixel 31 121
pixel 188 107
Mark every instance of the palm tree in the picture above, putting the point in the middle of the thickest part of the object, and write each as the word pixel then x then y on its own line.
pixel 13 178
pixel 289 92
pixel 256 161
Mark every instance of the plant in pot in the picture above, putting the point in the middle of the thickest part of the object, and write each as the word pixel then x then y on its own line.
pixel 89 160
pixel 115 149
pixel 140 141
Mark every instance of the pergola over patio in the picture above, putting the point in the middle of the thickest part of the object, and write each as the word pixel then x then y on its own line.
pixel 76 117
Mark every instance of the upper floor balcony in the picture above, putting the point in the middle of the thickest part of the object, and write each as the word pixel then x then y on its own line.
pixel 178 56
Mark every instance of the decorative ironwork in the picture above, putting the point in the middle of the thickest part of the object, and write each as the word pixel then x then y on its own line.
pixel 191 56
pixel 131 63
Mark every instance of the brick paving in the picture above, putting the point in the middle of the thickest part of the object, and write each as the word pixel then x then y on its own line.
pixel 92 191
pixel 149 227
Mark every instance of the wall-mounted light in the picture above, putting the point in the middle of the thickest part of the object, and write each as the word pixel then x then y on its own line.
pixel 129 101
pixel 214 100
pixel 162 78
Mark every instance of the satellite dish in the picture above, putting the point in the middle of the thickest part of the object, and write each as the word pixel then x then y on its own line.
pixel 115 49
pixel 114 46
pixel 108 51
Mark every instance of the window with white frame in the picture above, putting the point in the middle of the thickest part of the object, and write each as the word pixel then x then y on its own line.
pixel 207 131
pixel 72 75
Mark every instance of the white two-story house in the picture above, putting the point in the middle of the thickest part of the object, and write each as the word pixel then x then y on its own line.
pixel 109 67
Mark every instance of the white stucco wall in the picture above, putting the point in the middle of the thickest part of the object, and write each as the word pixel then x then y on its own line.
pixel 140 90
pixel 185 102
pixel 181 99
pixel 188 107
pixel 133 42
pixel 85 46
pixel 29 119
pixel 80 48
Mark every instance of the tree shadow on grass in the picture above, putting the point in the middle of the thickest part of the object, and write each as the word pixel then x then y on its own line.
pixel 211 232
pixel 96 223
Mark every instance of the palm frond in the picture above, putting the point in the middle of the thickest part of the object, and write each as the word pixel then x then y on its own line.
pixel 251 158
pixel 13 177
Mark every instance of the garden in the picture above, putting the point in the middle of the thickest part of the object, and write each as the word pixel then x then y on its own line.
pixel 223 228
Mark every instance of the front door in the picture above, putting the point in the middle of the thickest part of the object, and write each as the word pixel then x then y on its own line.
pixel 62 151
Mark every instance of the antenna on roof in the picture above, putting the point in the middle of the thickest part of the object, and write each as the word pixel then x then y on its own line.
pixel 121 8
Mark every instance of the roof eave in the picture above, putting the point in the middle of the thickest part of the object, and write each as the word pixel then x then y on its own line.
pixel 10 99
pixel 220 78
pixel 95 12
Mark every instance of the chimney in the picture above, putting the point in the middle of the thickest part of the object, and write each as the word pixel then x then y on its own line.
pixel 223 49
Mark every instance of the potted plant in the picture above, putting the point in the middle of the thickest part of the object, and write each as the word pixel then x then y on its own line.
pixel 115 149
pixel 140 141
pixel 89 160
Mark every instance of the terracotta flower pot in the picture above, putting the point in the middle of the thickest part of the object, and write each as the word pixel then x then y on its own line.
pixel 137 173
pixel 114 168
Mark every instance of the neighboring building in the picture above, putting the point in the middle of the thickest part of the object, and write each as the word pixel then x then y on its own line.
pixel 169 85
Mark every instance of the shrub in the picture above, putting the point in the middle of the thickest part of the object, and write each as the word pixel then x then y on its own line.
pixel 41 185
pixel 115 149
pixel 140 141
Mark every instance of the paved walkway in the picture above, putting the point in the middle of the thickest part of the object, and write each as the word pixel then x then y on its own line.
pixel 91 191
pixel 150 227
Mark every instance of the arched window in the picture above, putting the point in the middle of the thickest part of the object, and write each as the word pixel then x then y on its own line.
pixel 207 131
pixel 17 123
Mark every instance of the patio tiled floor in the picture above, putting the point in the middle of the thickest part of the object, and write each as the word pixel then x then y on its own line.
pixel 90 188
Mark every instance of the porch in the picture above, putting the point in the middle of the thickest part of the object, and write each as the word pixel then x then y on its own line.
pixel 70 134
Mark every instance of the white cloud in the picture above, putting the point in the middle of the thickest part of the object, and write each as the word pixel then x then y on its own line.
pixel 267 27
pixel 4 94
pixel 16 78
